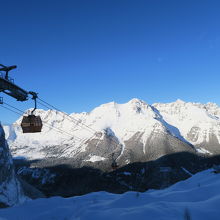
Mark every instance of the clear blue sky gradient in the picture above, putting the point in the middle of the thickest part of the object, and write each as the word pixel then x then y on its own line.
pixel 80 54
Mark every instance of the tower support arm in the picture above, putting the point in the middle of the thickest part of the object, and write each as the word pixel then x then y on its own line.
pixel 13 90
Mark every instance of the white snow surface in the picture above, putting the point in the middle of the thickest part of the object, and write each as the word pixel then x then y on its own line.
pixel 120 120
pixel 187 115
pixel 199 195
pixel 95 158
pixel 203 151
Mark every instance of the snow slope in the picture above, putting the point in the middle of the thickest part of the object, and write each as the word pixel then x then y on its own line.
pixel 199 195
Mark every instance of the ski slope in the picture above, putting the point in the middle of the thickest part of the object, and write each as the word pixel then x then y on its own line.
pixel 199 195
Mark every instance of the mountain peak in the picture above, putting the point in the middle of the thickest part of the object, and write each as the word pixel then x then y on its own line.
pixel 137 101
pixel 180 101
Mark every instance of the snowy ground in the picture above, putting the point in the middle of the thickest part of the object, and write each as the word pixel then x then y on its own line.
pixel 200 195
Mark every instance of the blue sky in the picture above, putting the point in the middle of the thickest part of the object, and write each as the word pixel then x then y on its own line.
pixel 80 54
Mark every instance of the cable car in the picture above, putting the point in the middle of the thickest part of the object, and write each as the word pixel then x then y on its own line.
pixel 32 123
pixel 114 165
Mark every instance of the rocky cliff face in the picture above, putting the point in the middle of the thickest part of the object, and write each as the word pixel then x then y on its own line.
pixel 10 190
pixel 198 123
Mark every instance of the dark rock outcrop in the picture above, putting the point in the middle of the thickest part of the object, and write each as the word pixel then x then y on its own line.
pixel 10 188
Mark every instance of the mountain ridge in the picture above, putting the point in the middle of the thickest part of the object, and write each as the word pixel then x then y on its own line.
pixel 133 131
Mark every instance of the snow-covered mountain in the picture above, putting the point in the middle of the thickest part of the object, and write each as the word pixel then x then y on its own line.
pixel 134 131
pixel 198 123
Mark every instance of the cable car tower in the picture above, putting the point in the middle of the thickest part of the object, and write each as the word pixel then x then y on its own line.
pixel 30 123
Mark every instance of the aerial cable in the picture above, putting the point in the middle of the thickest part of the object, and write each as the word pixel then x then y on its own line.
pixel 57 129
pixel 10 109
pixel 48 125
pixel 61 131
pixel 13 107
pixel 73 119
pixel 49 108
pixel 93 131
pixel 43 104
pixel 79 123
pixel 76 122
pixel 58 112
pixel 86 140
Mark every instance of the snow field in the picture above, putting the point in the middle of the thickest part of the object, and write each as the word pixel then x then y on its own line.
pixel 199 195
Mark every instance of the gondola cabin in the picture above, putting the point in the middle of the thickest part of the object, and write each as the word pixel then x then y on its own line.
pixel 31 124
pixel 114 165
